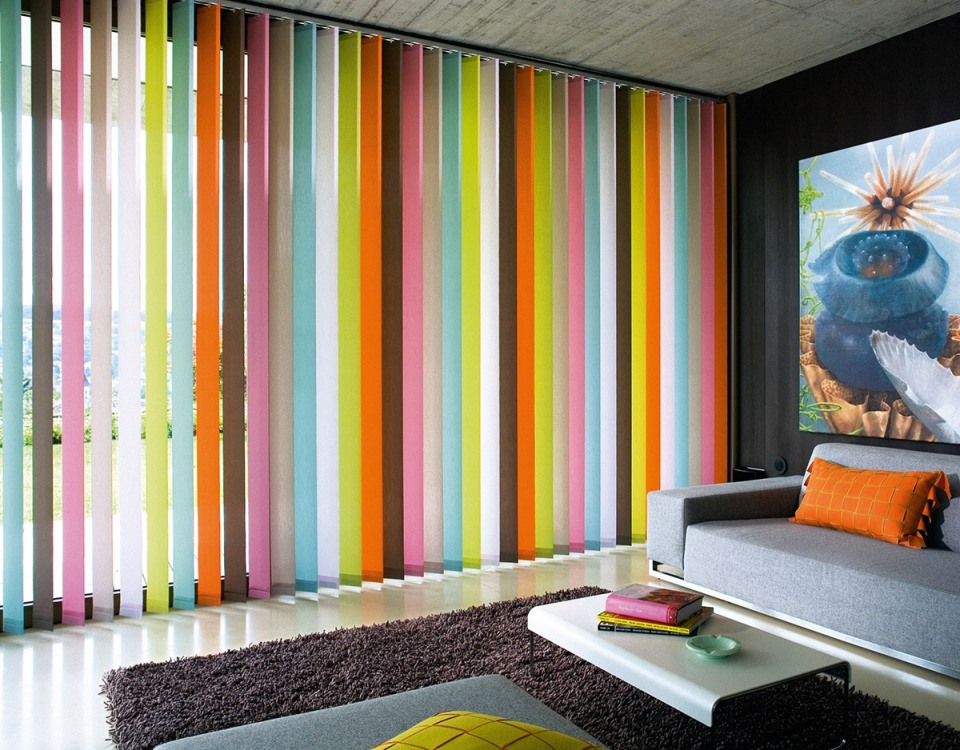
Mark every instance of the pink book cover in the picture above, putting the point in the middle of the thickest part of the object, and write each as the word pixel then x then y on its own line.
pixel 657 605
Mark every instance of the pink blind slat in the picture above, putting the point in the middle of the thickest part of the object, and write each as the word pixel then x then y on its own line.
pixel 258 376
pixel 72 377
pixel 412 161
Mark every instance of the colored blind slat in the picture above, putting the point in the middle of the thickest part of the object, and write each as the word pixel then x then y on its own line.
pixel 651 114
pixel 130 356
pixel 371 353
pixel 561 301
pixel 451 316
pixel 258 371
pixel 282 565
pixel 349 310
pixel 412 277
pixel 72 313
pixel 433 528
pixel 155 181
pixel 101 303
pixel 575 310
pixel 391 311
pixel 624 271
pixel 470 308
pixel 305 306
pixel 608 315
pixel 208 305
pixel 42 311
pixel 183 127
pixel 543 312
pixel 489 313
pixel 640 316
pixel 679 311
pixel 328 413
pixel 694 427
pixel 709 324
pixel 668 386
pixel 720 312
pixel 526 384
pixel 11 88
pixel 591 221
pixel 507 259
pixel 234 438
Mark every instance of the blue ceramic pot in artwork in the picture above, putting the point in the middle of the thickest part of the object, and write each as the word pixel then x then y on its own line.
pixel 844 346
pixel 877 275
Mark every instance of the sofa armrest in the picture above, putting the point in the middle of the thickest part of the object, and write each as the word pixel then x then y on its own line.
pixel 669 512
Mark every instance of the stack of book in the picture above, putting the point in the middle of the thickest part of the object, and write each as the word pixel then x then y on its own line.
pixel 645 609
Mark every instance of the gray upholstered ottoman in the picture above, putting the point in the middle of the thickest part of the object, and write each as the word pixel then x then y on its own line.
pixel 361 726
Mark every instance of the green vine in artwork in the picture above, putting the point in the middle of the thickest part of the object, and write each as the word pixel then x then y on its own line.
pixel 808 414
pixel 809 301
pixel 811 410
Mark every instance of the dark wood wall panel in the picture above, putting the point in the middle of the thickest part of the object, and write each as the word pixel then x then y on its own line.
pixel 903 84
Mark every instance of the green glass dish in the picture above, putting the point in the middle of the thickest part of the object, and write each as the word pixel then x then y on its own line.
pixel 713 646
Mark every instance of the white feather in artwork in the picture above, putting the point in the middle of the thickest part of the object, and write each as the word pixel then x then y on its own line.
pixel 928 388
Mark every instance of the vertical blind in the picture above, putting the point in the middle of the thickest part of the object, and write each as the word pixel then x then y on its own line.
pixel 338 308
pixel 11 93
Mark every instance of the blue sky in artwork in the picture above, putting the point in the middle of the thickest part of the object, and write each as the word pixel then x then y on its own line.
pixel 851 164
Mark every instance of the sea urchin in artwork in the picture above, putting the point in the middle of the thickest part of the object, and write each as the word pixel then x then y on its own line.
pixel 900 198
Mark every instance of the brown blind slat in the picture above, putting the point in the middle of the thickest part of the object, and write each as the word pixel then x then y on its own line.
pixel 391 285
pixel 508 314
pixel 234 464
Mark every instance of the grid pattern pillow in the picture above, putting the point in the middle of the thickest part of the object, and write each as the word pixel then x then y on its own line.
pixel 893 506
pixel 466 730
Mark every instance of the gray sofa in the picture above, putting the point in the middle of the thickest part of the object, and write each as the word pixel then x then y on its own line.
pixel 734 541
pixel 360 726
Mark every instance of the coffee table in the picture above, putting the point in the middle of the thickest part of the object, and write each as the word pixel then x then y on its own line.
pixel 662 665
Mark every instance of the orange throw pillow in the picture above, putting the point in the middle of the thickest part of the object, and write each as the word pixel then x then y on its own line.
pixel 893 506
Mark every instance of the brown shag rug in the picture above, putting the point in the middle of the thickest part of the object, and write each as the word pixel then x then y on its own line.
pixel 152 703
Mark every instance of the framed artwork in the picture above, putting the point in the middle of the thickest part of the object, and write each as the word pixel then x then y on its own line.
pixel 879 288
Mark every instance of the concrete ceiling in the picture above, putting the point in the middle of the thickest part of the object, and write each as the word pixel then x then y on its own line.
pixel 712 46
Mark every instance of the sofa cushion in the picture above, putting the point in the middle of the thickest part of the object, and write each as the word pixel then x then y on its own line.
pixel 879 593
pixel 945 530
pixel 468 730
pixel 891 506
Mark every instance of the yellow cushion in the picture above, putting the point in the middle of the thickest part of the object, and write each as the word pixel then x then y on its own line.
pixel 466 730
pixel 894 506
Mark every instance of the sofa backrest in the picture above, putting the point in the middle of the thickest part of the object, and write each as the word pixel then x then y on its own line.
pixel 945 530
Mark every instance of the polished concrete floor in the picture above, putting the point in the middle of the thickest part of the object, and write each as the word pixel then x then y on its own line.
pixel 51 680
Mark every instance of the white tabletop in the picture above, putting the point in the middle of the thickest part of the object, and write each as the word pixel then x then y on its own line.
pixel 664 667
